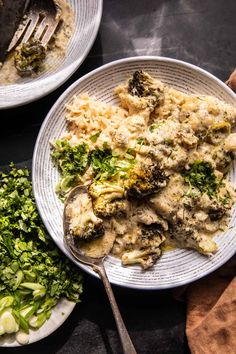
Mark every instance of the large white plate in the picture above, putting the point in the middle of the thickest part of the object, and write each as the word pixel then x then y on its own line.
pixel 87 20
pixel 59 314
pixel 175 267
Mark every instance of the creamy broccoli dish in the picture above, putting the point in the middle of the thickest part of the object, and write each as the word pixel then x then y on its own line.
pixel 153 170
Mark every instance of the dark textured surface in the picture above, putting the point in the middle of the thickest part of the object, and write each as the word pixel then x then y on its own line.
pixel 11 13
pixel 198 31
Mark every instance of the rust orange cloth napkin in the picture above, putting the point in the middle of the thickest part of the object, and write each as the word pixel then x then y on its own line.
pixel 211 312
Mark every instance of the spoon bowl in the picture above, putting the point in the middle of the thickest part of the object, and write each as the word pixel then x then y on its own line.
pixel 97 266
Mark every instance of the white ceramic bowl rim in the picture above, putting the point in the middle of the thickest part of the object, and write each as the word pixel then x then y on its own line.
pixel 60 101
pixel 133 59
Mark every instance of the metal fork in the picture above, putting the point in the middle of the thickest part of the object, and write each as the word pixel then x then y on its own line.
pixel 40 22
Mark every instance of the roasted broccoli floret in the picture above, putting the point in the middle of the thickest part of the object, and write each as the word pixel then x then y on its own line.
pixel 142 85
pixel 145 180
pixel 223 165
pixel 103 207
pixel 108 199
pixel 83 224
pixel 29 57
pixel 146 257
pixel 216 211
pixel 190 238
pixel 217 132
pixel 148 247
pixel 89 231
pixel 151 235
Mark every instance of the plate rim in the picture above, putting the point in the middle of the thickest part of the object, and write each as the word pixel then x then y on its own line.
pixel 58 103
pixel 57 324
pixel 75 66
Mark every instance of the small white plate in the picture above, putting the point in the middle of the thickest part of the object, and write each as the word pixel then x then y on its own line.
pixel 59 314
pixel 87 15
pixel 175 267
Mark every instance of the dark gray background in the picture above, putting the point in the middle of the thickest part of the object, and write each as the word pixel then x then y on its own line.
pixel 201 32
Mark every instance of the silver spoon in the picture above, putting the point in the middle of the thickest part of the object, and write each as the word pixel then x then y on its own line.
pixel 98 266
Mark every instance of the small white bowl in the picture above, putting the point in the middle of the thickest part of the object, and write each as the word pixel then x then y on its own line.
pixel 176 267
pixel 87 20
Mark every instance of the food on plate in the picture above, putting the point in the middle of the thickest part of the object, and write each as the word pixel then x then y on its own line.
pixel 34 274
pixel 154 168
pixel 32 58
pixel 85 225
pixel 29 57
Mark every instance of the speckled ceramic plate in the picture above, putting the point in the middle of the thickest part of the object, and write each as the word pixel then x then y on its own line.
pixel 87 15
pixel 59 314
pixel 176 267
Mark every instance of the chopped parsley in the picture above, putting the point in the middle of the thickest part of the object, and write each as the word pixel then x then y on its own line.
pixel 33 272
pixel 140 141
pixel 201 176
pixel 70 159
pixel 107 164
pixel 94 137
pixel 72 162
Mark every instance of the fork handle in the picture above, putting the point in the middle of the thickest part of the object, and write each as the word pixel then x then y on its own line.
pixel 127 345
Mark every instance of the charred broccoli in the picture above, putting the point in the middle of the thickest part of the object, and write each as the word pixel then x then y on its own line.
pixel 108 199
pixel 216 211
pixel 151 235
pixel 145 180
pixel 190 238
pixel 146 257
pixel 83 224
pixel 105 208
pixel 148 247
pixel 142 85
pixel 29 56
pixel 89 231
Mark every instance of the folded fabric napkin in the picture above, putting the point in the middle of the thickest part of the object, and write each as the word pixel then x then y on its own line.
pixel 211 312
pixel 211 305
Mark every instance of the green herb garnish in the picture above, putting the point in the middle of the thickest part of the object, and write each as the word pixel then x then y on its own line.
pixel 107 164
pixel 70 159
pixel 94 137
pixel 34 275
pixel 201 175
pixel 72 162
pixel 140 141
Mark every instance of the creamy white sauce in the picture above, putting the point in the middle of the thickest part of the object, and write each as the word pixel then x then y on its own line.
pixel 182 129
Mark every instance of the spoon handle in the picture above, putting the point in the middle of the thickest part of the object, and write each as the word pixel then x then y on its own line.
pixel 126 342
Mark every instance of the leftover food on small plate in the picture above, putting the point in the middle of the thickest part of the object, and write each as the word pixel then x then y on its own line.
pixel 70 46
pixel 33 58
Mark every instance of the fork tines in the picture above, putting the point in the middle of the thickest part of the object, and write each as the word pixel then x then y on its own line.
pixel 40 22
